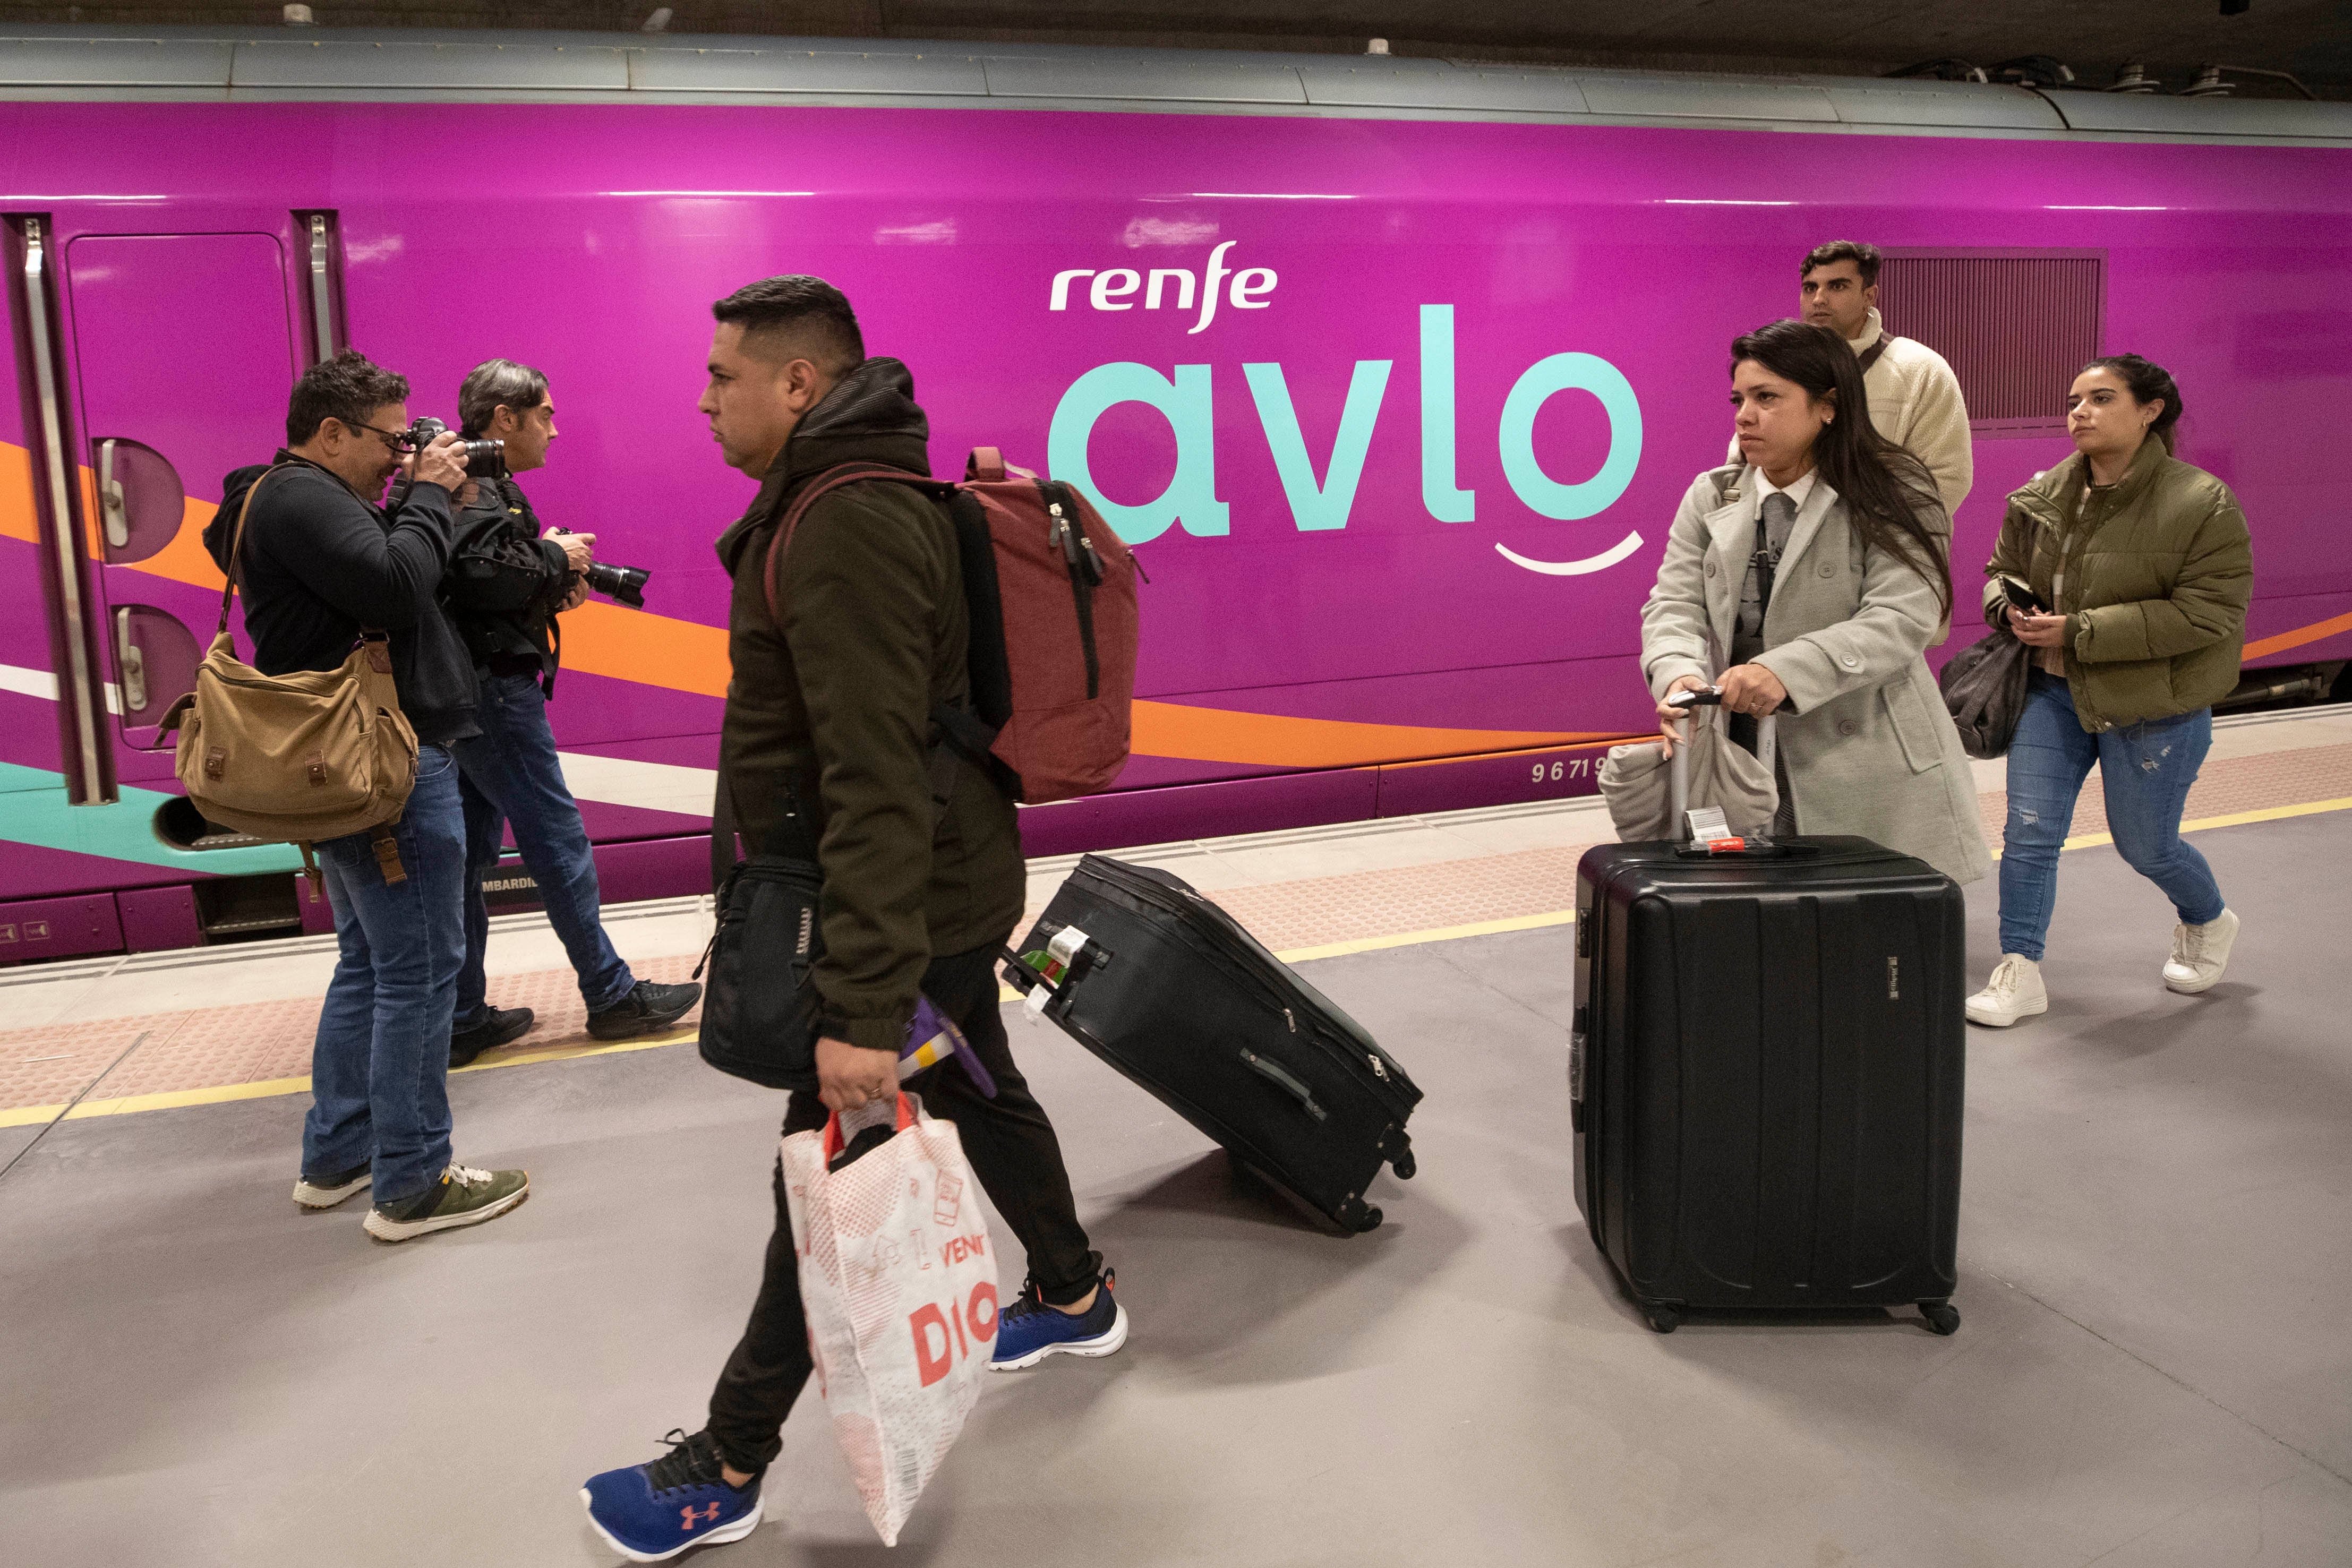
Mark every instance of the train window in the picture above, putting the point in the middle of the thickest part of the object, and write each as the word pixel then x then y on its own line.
pixel 2014 324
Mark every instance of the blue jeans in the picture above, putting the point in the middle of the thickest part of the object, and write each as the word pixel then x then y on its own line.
pixel 379 1070
pixel 2146 770
pixel 511 774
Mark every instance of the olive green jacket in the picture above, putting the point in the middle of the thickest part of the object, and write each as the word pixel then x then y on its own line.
pixel 828 731
pixel 2157 573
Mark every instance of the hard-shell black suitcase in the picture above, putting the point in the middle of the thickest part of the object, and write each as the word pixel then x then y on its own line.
pixel 1765 1073
pixel 1165 987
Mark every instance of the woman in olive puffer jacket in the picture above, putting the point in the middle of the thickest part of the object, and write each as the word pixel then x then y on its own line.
pixel 2144 565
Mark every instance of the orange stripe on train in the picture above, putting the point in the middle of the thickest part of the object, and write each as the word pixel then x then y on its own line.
pixel 607 640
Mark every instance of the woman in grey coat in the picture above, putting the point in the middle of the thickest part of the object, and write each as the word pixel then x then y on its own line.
pixel 1818 565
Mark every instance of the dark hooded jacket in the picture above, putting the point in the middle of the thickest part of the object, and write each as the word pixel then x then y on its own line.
pixel 319 563
pixel 828 736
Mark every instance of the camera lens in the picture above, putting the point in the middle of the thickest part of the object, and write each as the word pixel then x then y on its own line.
pixel 624 583
pixel 486 459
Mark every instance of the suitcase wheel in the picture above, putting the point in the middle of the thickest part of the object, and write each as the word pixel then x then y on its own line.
pixel 1370 1221
pixel 1403 1167
pixel 1942 1316
pixel 1662 1317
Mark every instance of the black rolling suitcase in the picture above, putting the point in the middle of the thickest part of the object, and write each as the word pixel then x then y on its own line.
pixel 1165 987
pixel 1766 1074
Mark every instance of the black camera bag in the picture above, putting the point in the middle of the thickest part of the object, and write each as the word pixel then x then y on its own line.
pixel 760 1014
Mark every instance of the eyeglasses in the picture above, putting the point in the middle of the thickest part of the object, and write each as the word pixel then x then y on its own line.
pixel 395 439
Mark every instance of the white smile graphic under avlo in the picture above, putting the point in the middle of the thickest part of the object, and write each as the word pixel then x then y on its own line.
pixel 1591 563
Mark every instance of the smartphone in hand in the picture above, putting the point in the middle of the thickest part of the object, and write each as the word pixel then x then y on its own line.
pixel 2022 597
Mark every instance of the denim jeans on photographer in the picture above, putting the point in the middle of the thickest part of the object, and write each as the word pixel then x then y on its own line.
pixel 2145 769
pixel 511 774
pixel 379 1070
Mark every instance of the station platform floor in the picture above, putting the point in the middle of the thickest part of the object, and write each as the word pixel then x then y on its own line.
pixel 2155 1256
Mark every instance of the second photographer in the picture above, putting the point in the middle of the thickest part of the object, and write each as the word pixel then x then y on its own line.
pixel 505 588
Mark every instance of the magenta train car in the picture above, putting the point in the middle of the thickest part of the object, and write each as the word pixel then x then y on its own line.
pixel 1392 371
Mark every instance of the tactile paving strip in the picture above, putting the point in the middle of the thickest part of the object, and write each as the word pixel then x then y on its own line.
pixel 50 1066
pixel 1309 913
pixel 2223 788
pixel 258 1043
pixel 267 1041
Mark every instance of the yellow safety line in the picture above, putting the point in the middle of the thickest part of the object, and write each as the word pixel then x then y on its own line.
pixel 266 1088
pixel 1401 939
pixel 1439 933
pixel 29 1115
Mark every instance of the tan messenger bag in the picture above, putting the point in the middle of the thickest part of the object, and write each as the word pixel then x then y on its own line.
pixel 299 758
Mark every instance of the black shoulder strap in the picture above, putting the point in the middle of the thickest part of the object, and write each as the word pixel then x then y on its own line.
pixel 237 542
pixel 1870 355
pixel 723 852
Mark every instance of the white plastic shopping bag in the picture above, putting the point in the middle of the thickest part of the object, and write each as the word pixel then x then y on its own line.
pixel 900 1293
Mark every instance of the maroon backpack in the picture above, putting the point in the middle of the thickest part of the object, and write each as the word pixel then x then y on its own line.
pixel 1052 595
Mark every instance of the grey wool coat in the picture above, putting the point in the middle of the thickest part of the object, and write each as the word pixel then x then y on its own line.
pixel 1867 744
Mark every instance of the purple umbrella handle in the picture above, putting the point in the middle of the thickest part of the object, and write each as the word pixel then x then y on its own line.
pixel 932 1038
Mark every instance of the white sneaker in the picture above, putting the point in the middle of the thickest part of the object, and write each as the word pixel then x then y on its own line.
pixel 2013 992
pixel 2200 954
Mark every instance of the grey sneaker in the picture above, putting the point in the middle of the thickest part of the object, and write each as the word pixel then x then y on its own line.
pixel 463 1197
pixel 648 1008
pixel 323 1192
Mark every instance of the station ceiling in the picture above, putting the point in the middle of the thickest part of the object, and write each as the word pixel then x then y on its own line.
pixel 2310 39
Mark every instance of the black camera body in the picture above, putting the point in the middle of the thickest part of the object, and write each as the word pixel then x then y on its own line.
pixel 484 459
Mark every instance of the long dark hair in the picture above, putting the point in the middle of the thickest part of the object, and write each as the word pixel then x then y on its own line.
pixel 2146 382
pixel 1889 495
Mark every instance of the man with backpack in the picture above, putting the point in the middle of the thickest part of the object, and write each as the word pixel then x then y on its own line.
pixel 831 751
pixel 319 563
pixel 505 586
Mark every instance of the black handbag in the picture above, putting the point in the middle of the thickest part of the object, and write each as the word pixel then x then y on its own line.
pixel 760 1014
pixel 1984 688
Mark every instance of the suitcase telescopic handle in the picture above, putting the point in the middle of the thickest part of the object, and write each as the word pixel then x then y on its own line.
pixel 1287 1081
pixel 1767 744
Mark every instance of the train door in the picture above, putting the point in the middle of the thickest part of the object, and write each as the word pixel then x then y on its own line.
pixel 186 352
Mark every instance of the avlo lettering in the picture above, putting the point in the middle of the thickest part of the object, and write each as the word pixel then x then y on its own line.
pixel 1184 396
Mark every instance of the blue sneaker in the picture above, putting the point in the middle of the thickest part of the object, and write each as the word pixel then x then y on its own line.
pixel 649 1513
pixel 1028 1331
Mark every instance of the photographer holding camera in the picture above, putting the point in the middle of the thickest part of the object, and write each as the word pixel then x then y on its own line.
pixel 505 586
pixel 318 562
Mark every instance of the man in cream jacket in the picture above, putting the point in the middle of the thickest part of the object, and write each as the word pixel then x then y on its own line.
pixel 1915 399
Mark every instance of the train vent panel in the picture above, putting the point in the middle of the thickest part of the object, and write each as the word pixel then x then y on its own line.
pixel 2014 324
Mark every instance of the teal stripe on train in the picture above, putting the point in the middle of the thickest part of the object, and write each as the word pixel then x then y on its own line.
pixel 32 811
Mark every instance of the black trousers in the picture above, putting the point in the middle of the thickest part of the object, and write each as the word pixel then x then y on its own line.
pixel 1015 1155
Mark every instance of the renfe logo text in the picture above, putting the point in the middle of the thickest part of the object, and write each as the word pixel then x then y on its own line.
pixel 1115 288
